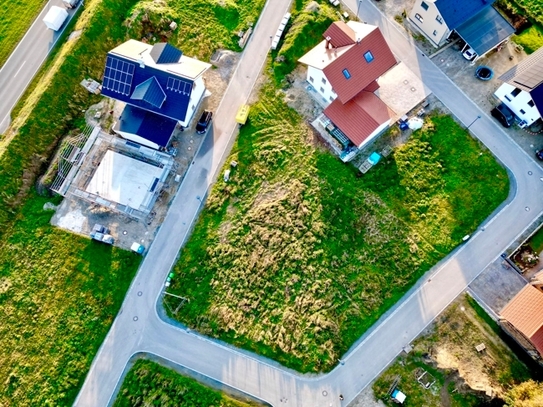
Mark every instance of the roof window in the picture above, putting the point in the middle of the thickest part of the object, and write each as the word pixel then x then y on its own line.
pixel 368 56
pixel 346 74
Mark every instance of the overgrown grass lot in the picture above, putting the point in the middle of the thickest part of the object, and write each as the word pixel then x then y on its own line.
pixel 15 19
pixel 530 39
pixel 460 373
pixel 298 254
pixel 149 383
pixel 58 292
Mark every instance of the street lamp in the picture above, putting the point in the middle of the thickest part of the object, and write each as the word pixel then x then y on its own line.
pixel 477 118
pixel 358 8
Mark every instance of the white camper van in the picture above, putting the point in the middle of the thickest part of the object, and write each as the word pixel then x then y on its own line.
pixel 55 18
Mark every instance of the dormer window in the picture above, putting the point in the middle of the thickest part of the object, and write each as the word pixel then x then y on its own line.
pixel 346 74
pixel 368 56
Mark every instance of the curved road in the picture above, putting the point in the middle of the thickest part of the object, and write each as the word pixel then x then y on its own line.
pixel 26 59
pixel 138 328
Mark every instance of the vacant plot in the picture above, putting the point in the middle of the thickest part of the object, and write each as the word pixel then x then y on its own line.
pixel 15 19
pixel 298 255
pixel 149 383
pixel 461 375
pixel 59 293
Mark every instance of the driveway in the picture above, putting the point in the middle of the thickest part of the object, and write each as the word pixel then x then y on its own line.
pixel 27 59
pixel 138 327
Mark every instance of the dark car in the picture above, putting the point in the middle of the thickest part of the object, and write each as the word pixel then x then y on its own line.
pixel 204 121
pixel 503 114
pixel 539 154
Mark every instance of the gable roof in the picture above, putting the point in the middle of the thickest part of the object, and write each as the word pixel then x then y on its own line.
pixel 340 34
pixel 164 53
pixel 153 127
pixel 359 117
pixel 131 75
pixel 351 73
pixel 525 313
pixel 485 30
pixel 455 12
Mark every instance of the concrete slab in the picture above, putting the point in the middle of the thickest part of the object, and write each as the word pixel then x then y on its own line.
pixel 124 180
pixel 401 90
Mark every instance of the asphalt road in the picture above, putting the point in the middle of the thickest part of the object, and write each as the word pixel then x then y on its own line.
pixel 25 61
pixel 138 327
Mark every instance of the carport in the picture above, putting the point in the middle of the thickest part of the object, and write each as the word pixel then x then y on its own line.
pixel 485 31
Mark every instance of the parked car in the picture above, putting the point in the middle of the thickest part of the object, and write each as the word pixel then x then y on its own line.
pixel 539 154
pixel 469 54
pixel 503 114
pixel 204 121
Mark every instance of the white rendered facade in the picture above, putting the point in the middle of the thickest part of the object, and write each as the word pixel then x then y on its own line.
pixel 426 17
pixel 198 90
pixel 320 83
pixel 520 102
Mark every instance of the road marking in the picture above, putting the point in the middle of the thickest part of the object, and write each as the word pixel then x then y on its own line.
pixel 19 70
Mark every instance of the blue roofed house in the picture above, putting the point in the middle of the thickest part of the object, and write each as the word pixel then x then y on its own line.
pixel 479 24
pixel 160 86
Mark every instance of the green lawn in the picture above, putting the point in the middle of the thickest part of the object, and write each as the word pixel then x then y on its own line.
pixel 449 352
pixel 299 254
pixel 15 19
pixel 58 292
pixel 530 39
pixel 149 383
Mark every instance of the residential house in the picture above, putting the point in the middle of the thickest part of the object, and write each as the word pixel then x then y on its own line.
pixel 522 89
pixel 522 319
pixel 160 86
pixel 479 24
pixel 343 69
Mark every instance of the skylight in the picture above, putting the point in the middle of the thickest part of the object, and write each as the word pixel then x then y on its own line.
pixel 346 73
pixel 368 56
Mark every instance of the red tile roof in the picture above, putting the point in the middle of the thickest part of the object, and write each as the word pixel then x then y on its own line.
pixel 525 313
pixel 340 34
pixel 359 117
pixel 362 73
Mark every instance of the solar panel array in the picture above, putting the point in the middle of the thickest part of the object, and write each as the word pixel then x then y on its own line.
pixel 530 78
pixel 179 86
pixel 118 75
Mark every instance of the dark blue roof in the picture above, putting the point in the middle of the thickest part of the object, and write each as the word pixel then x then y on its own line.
pixel 537 97
pixel 455 12
pixel 150 126
pixel 164 53
pixel 150 92
pixel 485 30
pixel 122 76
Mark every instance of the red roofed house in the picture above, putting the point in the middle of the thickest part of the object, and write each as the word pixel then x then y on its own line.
pixel 522 318
pixel 343 69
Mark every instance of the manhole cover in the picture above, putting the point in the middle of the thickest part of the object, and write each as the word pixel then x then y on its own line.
pixel 135 318
pixel 324 393
pixel 530 172
pixel 140 293
pixel 124 232
pixel 527 209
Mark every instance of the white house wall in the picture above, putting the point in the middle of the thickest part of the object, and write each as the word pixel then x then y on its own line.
pixel 318 80
pixel 518 104
pixel 196 95
pixel 137 139
pixel 430 25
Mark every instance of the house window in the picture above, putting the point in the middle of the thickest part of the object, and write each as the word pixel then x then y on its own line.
pixel 522 111
pixel 507 97
pixel 424 5
pixel 311 79
pixel 368 56
pixel 515 92
pixel 419 17
pixel 435 33
pixel 531 103
pixel 346 74
pixel 331 99
pixel 439 19
pixel 322 90
pixel 323 81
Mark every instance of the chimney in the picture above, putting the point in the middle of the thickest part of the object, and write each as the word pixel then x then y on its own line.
pixel 328 39
pixel 142 62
